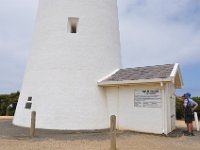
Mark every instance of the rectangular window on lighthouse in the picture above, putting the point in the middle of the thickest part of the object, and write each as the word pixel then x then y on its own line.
pixel 72 26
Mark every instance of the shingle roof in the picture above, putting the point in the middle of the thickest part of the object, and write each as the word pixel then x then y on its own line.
pixel 148 72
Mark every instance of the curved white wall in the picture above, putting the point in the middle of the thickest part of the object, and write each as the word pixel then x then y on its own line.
pixel 63 68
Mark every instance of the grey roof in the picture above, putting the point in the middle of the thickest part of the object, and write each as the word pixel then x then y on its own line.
pixel 148 72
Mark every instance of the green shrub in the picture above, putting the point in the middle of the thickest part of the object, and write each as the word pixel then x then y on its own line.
pixel 8 103
pixel 179 110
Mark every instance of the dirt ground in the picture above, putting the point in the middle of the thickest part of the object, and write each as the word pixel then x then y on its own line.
pixel 16 138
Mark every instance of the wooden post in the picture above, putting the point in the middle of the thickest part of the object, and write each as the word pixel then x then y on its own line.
pixel 196 121
pixel 113 132
pixel 33 118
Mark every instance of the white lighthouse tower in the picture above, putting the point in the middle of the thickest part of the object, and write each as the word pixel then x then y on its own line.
pixel 75 43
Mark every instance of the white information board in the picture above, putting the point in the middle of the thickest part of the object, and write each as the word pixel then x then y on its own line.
pixel 147 98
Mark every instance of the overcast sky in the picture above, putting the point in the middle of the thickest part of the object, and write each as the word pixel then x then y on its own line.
pixel 152 32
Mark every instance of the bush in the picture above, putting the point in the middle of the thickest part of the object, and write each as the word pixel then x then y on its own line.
pixel 8 103
pixel 179 110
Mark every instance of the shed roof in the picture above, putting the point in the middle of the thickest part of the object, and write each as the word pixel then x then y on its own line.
pixel 158 73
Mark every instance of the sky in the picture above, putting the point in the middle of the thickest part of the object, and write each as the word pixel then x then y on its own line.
pixel 152 32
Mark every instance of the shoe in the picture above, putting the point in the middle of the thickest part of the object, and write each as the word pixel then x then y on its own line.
pixel 186 134
pixel 189 134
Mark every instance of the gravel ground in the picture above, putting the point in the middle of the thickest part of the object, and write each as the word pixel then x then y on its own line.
pixel 16 138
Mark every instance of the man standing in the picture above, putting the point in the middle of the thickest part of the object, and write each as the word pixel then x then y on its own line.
pixel 189 106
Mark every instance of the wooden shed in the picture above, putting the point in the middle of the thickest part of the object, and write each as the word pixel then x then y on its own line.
pixel 143 98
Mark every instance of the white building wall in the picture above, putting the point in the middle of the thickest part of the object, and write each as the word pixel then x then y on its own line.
pixel 170 107
pixel 112 95
pixel 173 106
pixel 121 103
pixel 63 68
pixel 137 119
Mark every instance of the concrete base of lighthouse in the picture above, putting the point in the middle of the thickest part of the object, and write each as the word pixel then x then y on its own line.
pixel 69 115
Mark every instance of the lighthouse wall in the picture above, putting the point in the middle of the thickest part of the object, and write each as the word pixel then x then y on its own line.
pixel 63 68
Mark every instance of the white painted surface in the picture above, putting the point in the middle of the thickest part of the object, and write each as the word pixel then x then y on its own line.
pixel 151 120
pixel 137 119
pixel 112 100
pixel 125 82
pixel 121 102
pixel 196 121
pixel 176 72
pixel 172 99
pixel 63 68
pixel 170 110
